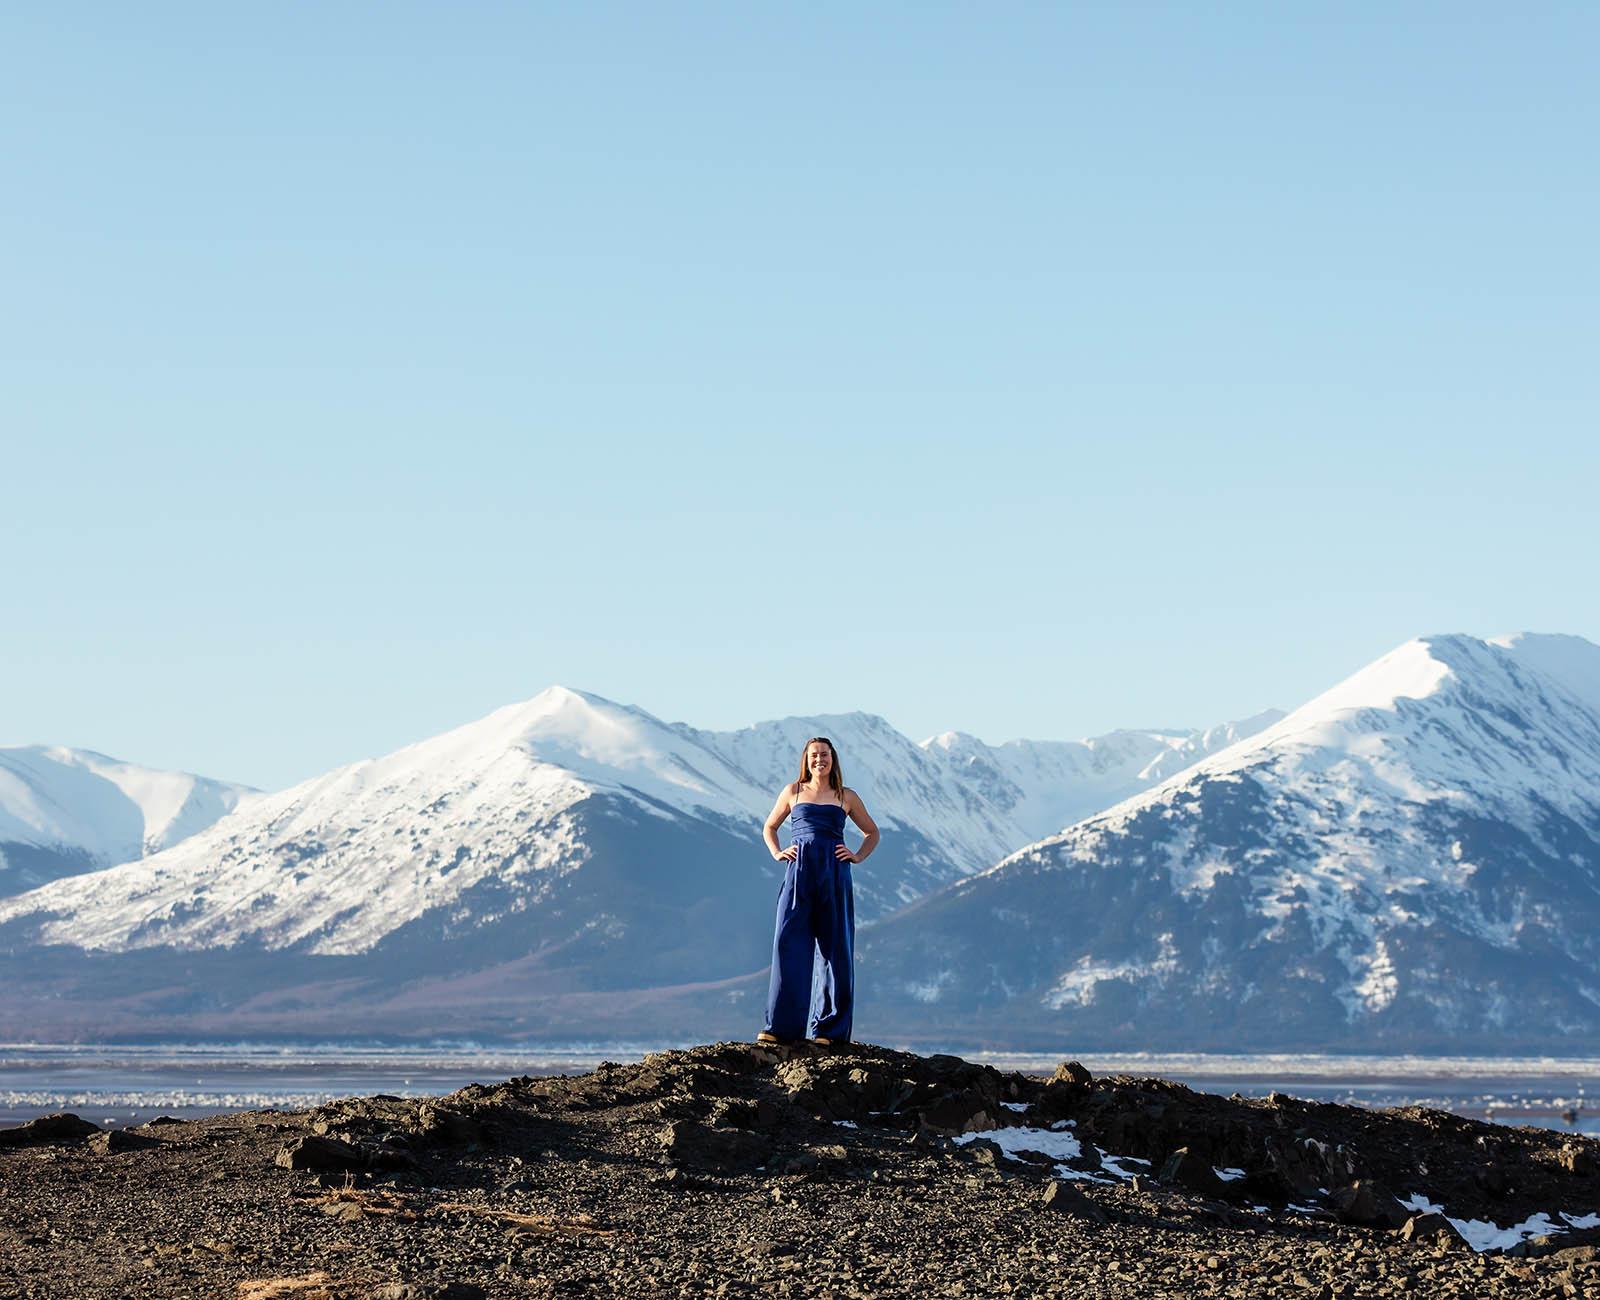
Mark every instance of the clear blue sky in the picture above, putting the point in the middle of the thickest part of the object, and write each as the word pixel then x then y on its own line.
pixel 1023 369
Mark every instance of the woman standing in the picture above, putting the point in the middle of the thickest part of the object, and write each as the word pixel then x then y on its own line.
pixel 814 943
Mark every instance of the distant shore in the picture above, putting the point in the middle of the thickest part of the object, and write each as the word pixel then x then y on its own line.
pixel 121 1084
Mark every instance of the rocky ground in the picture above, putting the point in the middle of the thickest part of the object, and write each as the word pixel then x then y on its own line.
pixel 734 1170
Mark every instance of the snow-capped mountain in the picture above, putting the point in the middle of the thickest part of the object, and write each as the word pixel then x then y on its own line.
pixel 64 811
pixel 952 805
pixel 1412 857
pixel 462 828
pixel 1043 786
pixel 609 848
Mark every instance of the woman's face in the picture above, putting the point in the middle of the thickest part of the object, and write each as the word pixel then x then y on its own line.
pixel 819 759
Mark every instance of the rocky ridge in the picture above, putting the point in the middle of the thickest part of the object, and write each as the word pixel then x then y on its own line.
pixel 734 1169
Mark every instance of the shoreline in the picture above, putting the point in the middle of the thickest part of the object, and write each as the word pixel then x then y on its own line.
pixel 117 1084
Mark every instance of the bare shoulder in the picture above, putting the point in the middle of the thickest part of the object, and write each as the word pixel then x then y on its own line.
pixel 848 799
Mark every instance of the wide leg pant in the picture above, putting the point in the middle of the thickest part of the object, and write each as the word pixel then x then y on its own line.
pixel 813 946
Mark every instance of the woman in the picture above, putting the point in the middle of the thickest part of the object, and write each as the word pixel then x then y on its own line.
pixel 816 930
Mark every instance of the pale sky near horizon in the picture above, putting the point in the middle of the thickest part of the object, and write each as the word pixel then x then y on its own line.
pixel 1024 370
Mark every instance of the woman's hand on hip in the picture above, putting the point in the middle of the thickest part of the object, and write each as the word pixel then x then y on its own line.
pixel 786 855
pixel 841 853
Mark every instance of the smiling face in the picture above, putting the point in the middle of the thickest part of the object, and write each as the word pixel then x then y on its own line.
pixel 819 765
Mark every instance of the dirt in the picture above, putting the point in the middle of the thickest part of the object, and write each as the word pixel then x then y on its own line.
pixel 734 1170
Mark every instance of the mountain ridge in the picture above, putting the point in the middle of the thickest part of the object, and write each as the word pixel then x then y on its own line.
pixel 1414 851
pixel 65 810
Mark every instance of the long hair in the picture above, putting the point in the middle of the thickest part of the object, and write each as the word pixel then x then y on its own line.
pixel 835 777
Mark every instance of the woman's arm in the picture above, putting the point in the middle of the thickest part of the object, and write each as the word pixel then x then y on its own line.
pixel 858 813
pixel 769 832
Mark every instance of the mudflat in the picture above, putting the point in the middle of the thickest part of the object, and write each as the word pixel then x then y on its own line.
pixel 732 1169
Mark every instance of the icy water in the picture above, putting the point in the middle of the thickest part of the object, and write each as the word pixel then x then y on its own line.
pixel 114 1084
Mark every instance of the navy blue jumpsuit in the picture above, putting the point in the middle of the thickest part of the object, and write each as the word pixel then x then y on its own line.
pixel 813 946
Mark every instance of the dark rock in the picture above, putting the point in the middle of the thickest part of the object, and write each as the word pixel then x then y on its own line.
pixel 441 1124
pixel 48 1130
pixel 1577 1160
pixel 392 1153
pixel 1562 1242
pixel 836 1089
pixel 880 1092
pixel 1369 1204
pixel 1577 1255
pixel 162 1119
pixel 1431 1227
pixel 120 1139
pixel 1185 1169
pixel 733 1113
pixel 1068 1087
pixel 1290 1171
pixel 320 1154
pixel 685 1142
pixel 1492 1180
pixel 1062 1197
pixel 956 1113
pixel 1087 1159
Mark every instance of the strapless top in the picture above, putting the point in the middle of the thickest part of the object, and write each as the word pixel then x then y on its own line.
pixel 813 820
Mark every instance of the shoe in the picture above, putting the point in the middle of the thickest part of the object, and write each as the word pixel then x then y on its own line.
pixel 823 1042
pixel 767 1037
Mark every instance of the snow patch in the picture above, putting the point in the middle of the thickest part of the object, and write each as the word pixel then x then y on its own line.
pixel 1482 1235
pixel 1077 986
pixel 1058 1144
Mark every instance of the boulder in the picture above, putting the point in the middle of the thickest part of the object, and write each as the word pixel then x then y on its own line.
pixel 1431 1227
pixel 1289 1168
pixel 1185 1169
pixel 984 1151
pixel 685 1142
pixel 1368 1204
pixel 48 1130
pixel 1579 1160
pixel 956 1113
pixel 320 1154
pixel 1566 1244
pixel 441 1124
pixel 1062 1197
pixel 120 1139
pixel 1068 1087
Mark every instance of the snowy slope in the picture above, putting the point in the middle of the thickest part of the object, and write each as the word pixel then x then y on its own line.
pixel 1416 851
pixel 69 810
pixel 965 802
pixel 461 831
pixel 339 862
pixel 1043 786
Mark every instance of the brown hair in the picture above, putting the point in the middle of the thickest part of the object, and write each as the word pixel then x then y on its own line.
pixel 835 776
